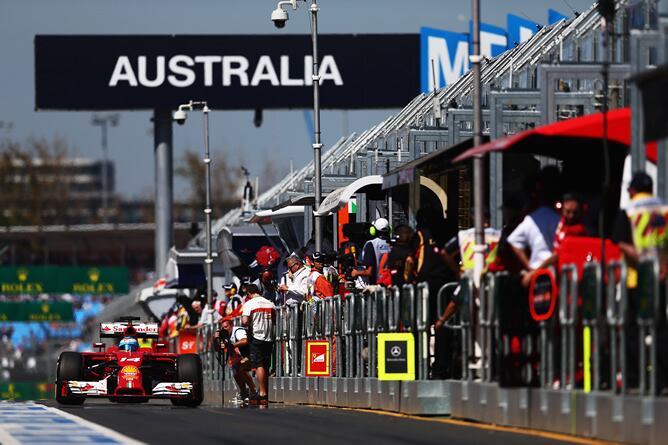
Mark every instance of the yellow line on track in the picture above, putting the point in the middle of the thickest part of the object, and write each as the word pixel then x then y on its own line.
pixel 482 426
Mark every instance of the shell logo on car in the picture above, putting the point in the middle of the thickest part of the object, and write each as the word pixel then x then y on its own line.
pixel 129 372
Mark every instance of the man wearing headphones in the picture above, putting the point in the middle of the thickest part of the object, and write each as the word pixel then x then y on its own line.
pixel 373 250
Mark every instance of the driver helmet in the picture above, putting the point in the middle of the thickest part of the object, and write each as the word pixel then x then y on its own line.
pixel 129 344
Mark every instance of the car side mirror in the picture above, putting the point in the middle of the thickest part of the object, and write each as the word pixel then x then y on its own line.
pixel 160 346
pixel 99 346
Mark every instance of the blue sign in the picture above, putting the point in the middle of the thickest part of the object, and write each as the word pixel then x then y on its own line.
pixel 493 39
pixel 555 16
pixel 444 57
pixel 520 30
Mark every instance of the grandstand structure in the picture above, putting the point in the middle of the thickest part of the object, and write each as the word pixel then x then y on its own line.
pixel 555 75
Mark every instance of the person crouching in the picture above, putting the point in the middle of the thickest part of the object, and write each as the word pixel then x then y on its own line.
pixel 234 340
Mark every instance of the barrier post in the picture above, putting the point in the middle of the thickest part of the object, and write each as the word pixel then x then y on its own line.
pixel 648 309
pixel 348 315
pixel 336 331
pixel 294 339
pixel 568 306
pixel 327 304
pixel 592 289
pixel 486 316
pixel 393 309
pixel 376 317
pixel 407 307
pixel 616 314
pixel 307 319
pixel 278 348
pixel 358 325
pixel 422 325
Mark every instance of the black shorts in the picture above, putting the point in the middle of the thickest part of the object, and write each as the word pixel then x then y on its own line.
pixel 260 353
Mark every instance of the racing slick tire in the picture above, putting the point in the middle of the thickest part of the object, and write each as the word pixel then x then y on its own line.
pixel 189 369
pixel 70 367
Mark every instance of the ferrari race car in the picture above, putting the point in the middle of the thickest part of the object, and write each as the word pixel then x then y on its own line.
pixel 127 372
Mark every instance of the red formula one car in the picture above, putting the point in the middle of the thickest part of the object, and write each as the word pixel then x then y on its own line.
pixel 128 373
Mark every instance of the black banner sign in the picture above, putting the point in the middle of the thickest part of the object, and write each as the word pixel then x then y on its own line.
pixel 230 72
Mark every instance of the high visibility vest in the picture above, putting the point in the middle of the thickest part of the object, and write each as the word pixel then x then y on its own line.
pixel 648 227
pixel 380 247
pixel 467 241
pixel 647 216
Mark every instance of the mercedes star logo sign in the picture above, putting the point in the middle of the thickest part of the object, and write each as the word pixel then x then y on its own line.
pixel 395 351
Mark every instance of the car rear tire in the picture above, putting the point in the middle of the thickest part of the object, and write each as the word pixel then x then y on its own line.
pixel 70 367
pixel 189 369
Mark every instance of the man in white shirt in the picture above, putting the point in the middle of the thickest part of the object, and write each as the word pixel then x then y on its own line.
pixel 536 234
pixel 258 315
pixel 296 286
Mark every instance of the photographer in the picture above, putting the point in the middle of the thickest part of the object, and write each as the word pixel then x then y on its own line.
pixel 234 342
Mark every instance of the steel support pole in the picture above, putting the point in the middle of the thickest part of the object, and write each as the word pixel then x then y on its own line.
pixel 105 173
pixel 662 162
pixel 317 145
pixel 478 166
pixel 207 213
pixel 164 225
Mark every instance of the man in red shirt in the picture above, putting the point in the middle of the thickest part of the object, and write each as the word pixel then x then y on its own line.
pixel 570 224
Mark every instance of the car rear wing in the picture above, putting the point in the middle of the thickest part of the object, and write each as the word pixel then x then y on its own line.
pixel 121 328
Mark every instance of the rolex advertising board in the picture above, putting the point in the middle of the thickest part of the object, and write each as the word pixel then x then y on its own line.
pixel 63 279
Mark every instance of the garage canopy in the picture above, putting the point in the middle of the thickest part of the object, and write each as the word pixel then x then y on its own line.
pixel 267 216
pixel 436 160
pixel 340 197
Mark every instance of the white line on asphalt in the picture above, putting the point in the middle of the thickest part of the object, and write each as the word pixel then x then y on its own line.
pixel 29 422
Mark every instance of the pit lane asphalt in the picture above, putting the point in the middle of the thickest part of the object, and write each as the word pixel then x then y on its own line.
pixel 158 422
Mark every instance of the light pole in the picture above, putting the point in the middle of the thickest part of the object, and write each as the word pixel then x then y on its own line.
pixel 478 167
pixel 103 122
pixel 279 16
pixel 180 117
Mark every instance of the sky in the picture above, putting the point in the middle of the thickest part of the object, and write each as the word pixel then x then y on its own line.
pixel 283 136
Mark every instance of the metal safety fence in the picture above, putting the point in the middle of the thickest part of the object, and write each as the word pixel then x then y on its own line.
pixel 350 325
pixel 597 339
pixel 604 335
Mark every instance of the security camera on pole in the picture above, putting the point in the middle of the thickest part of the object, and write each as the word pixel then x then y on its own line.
pixel 180 117
pixel 279 16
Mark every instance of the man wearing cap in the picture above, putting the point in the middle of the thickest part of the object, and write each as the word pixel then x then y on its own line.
pixel 373 251
pixel 318 285
pixel 640 229
pixel 234 301
pixel 640 192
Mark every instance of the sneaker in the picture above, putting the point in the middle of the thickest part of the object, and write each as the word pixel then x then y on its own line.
pixel 237 399
pixel 263 400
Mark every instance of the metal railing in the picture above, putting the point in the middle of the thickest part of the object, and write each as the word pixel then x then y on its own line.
pixel 583 345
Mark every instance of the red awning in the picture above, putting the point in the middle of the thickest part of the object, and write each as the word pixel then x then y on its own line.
pixel 583 128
